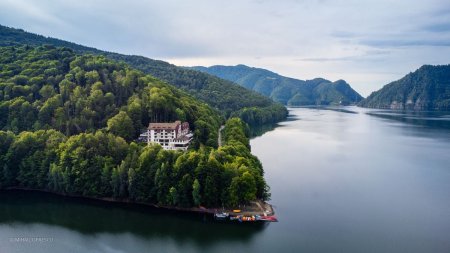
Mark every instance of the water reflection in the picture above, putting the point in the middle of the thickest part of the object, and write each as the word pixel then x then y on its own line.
pixel 369 181
pixel 260 130
pixel 256 131
pixel 417 123
pixel 354 182
pixel 92 217
pixel 427 118
pixel 344 109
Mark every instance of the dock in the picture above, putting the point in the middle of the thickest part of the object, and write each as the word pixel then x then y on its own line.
pixel 254 211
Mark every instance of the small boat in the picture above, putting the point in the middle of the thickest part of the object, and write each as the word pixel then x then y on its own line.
pixel 252 218
pixel 272 218
pixel 221 216
pixel 236 211
pixel 235 217
pixel 247 218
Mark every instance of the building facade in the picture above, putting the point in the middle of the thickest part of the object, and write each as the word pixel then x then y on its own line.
pixel 171 136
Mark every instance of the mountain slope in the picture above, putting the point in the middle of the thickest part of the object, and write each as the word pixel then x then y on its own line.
pixel 427 88
pixel 48 87
pixel 68 121
pixel 288 91
pixel 229 98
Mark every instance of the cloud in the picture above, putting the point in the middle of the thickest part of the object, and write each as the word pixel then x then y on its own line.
pixel 348 58
pixel 388 43
pixel 367 55
pixel 439 27
pixel 343 34
pixel 299 38
pixel 33 13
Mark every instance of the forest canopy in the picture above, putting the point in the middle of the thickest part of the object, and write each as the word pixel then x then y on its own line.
pixel 103 165
pixel 68 124
pixel 53 88
pixel 220 94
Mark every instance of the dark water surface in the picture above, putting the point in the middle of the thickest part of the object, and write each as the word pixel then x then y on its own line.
pixel 346 180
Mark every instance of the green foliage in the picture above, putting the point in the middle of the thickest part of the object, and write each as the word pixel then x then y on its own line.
pixel 236 131
pixel 6 140
pixel 101 164
pixel 257 116
pixel 428 88
pixel 288 91
pixel 86 93
pixel 196 188
pixel 142 185
pixel 220 94
pixel 122 125
pixel 173 196
pixel 86 158
pixel 65 120
pixel 242 188
pixel 28 158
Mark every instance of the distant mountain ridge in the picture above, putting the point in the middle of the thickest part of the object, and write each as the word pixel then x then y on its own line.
pixel 288 91
pixel 427 88
pixel 223 95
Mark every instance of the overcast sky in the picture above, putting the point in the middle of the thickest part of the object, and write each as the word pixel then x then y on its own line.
pixel 368 43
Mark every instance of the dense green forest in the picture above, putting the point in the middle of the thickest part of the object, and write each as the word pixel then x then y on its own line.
pixel 288 91
pixel 103 165
pixel 427 88
pixel 225 96
pixel 52 88
pixel 68 123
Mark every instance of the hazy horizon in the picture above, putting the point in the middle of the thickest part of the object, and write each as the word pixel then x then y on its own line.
pixel 366 43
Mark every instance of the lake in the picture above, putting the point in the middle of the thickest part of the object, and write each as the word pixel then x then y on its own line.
pixel 342 180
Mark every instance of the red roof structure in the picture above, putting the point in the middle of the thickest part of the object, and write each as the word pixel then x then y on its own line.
pixel 164 126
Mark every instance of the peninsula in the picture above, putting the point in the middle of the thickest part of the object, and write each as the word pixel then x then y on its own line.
pixel 70 124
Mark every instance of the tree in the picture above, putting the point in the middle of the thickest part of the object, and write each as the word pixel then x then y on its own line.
pixel 236 130
pixel 142 178
pixel 121 125
pixel 120 174
pixel 196 193
pixel 210 194
pixel 201 130
pixel 248 187
pixel 185 191
pixel 173 196
pixel 162 184
pixel 135 113
pixel 180 114
pixel 47 91
pixel 88 160
pixel 242 189
pixel 6 140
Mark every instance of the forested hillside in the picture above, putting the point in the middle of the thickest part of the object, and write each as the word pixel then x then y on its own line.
pixel 288 91
pixel 427 88
pixel 68 123
pixel 227 97
pixel 52 88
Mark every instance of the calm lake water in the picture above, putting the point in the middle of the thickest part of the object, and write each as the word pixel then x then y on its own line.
pixel 345 180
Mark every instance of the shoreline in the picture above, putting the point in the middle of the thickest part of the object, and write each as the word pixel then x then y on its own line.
pixel 197 210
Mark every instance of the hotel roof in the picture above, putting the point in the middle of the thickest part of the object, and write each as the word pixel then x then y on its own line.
pixel 164 126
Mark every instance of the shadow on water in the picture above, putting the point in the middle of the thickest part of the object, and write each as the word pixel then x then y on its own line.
pixel 256 131
pixel 93 216
pixel 429 119
pixel 343 109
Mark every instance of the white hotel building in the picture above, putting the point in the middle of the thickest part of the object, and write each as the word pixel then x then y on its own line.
pixel 171 136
